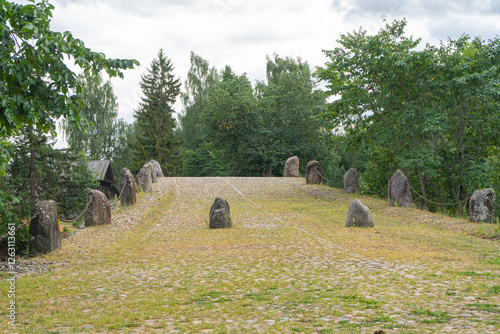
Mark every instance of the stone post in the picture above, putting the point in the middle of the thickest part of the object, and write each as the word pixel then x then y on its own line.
pixel 399 191
pixel 99 211
pixel 220 215
pixel 313 172
pixel 44 233
pixel 129 194
pixel 292 167
pixel 351 181
pixel 481 205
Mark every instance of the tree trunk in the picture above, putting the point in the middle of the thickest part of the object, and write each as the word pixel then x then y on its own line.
pixel 32 177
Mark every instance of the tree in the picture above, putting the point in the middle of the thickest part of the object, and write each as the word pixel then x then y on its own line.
pixel 235 125
pixel 200 155
pixel 154 121
pixel 100 109
pixel 36 85
pixel 417 110
pixel 40 172
pixel 290 105
pixel 232 128
pixel 106 137
pixel 201 78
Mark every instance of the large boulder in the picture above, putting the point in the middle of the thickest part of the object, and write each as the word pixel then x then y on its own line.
pixel 399 191
pixel 99 210
pixel 292 167
pixel 314 172
pixel 481 205
pixel 220 215
pixel 359 215
pixel 156 168
pixel 351 181
pixel 127 187
pixel 143 179
pixel 44 232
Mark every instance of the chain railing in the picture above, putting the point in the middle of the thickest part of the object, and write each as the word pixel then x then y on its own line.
pixel 81 214
pixel 372 192
pixel 436 203
pixel 324 178
pixel 24 222
pixel 121 192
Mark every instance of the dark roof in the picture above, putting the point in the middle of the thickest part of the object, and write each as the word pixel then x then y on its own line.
pixel 102 170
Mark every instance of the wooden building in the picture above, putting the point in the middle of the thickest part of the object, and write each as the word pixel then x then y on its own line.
pixel 104 174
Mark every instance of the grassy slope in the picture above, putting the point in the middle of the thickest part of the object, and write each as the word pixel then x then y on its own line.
pixel 288 265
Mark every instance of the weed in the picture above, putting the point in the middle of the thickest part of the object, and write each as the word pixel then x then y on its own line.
pixel 495 289
pixel 492 308
pixel 435 316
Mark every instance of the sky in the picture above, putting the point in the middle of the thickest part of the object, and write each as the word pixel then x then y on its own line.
pixel 241 33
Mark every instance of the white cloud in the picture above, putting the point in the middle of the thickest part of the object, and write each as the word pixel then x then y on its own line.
pixel 240 33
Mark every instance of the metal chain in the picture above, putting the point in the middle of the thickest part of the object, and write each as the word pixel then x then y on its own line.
pixel 81 214
pixel 26 222
pixel 428 200
pixel 123 188
pixel 373 192
pixel 324 178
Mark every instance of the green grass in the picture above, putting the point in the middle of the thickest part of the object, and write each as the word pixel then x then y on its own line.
pixel 288 265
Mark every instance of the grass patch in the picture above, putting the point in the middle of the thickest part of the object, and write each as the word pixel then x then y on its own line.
pixel 473 273
pixel 433 317
pixel 492 308
pixel 495 289
pixel 369 303
pixel 488 231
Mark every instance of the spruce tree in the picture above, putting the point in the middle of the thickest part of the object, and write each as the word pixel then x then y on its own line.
pixel 154 122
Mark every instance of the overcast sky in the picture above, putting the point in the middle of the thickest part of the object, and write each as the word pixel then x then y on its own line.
pixel 240 33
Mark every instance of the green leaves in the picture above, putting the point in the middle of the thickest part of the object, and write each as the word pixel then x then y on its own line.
pixel 431 112
pixel 33 66
pixel 154 125
pixel 36 85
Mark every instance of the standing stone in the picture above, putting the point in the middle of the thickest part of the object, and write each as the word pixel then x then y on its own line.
pixel 99 211
pixel 44 232
pixel 154 176
pixel 157 168
pixel 481 205
pixel 220 216
pixel 399 191
pixel 129 192
pixel 351 181
pixel 359 215
pixel 292 167
pixel 143 178
pixel 313 172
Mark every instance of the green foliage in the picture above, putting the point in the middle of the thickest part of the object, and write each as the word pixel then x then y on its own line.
pixel 39 172
pixel 71 196
pixel 100 109
pixel 107 137
pixel 154 121
pixel 233 123
pixel 200 79
pixel 232 128
pixel 290 105
pixel 206 160
pixel 431 112
pixel 37 86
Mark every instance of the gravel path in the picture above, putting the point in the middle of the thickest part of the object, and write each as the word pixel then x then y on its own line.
pixel 282 268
